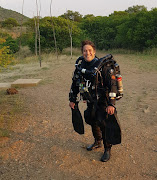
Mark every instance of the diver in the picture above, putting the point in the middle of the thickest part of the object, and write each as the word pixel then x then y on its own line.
pixel 97 85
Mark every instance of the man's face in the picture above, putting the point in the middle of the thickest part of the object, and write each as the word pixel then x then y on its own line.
pixel 88 53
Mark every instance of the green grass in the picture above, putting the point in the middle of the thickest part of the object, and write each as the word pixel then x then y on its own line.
pixel 75 51
pixel 147 63
pixel 150 52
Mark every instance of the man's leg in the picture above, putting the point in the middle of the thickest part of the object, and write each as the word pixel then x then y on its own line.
pixel 107 147
pixel 97 136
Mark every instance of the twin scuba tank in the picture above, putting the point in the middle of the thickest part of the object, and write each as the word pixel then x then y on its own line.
pixel 84 87
pixel 119 82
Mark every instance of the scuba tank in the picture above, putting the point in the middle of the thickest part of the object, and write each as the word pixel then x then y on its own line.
pixel 106 60
pixel 119 82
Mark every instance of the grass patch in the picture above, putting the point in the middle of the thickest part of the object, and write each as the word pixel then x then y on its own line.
pixel 4 133
pixel 45 68
pixel 149 52
pixel 75 51
pixel 143 62
pixel 120 51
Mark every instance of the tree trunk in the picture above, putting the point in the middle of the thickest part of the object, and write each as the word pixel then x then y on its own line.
pixel 36 36
pixel 21 26
pixel 53 29
pixel 38 32
pixel 70 34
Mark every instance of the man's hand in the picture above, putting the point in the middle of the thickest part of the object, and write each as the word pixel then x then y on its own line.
pixel 72 105
pixel 110 110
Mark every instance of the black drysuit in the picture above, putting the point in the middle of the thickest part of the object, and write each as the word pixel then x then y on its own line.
pixel 103 96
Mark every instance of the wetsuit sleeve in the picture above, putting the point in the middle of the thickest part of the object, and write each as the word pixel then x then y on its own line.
pixel 74 90
pixel 110 83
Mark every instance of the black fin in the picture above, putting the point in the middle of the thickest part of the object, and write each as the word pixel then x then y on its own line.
pixel 113 130
pixel 77 120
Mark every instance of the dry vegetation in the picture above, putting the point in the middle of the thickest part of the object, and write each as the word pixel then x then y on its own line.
pixel 37 138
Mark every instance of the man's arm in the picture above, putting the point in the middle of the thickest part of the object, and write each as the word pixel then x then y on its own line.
pixel 74 90
pixel 110 82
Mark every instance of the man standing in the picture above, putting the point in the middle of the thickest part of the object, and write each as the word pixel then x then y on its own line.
pixel 100 93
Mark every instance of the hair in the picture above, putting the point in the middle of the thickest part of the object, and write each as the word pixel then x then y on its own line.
pixel 87 42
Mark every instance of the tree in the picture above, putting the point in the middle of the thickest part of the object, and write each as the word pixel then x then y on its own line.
pixel 70 27
pixel 88 16
pixel 53 28
pixel 10 22
pixel 24 38
pixel 135 29
pixel 61 32
pixel 102 30
pixel 38 32
pixel 74 16
pixel 119 14
pixel 139 31
pixel 136 9
pixel 30 23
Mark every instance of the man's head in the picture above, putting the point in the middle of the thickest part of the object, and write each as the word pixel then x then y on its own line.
pixel 88 50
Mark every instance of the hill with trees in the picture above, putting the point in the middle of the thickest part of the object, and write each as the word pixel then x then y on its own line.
pixel 6 13
pixel 133 29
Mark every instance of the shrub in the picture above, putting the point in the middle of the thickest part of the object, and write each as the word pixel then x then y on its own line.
pixel 5 57
pixel 13 46
pixel 9 23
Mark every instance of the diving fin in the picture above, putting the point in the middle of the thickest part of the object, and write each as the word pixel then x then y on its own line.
pixel 77 120
pixel 113 130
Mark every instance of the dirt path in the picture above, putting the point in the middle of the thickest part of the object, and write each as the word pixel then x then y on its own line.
pixel 44 146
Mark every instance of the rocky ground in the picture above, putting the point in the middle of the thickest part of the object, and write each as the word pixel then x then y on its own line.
pixel 43 145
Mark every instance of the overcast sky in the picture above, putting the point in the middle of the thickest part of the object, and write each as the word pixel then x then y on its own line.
pixel 59 7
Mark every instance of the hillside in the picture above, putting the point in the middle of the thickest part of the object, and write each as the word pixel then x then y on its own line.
pixel 5 14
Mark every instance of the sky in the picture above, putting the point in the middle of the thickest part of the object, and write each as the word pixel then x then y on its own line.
pixel 84 7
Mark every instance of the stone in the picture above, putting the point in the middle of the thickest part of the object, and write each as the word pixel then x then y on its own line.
pixel 147 110
pixel 25 83
pixel 12 91
pixel 5 86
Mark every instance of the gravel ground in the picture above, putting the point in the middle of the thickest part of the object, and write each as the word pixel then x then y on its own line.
pixel 44 146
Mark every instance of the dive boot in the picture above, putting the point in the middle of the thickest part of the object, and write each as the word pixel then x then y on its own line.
pixel 97 144
pixel 106 155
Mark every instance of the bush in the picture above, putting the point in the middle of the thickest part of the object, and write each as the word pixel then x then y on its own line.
pixel 9 23
pixel 24 38
pixel 12 44
pixel 5 57
pixel 23 53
